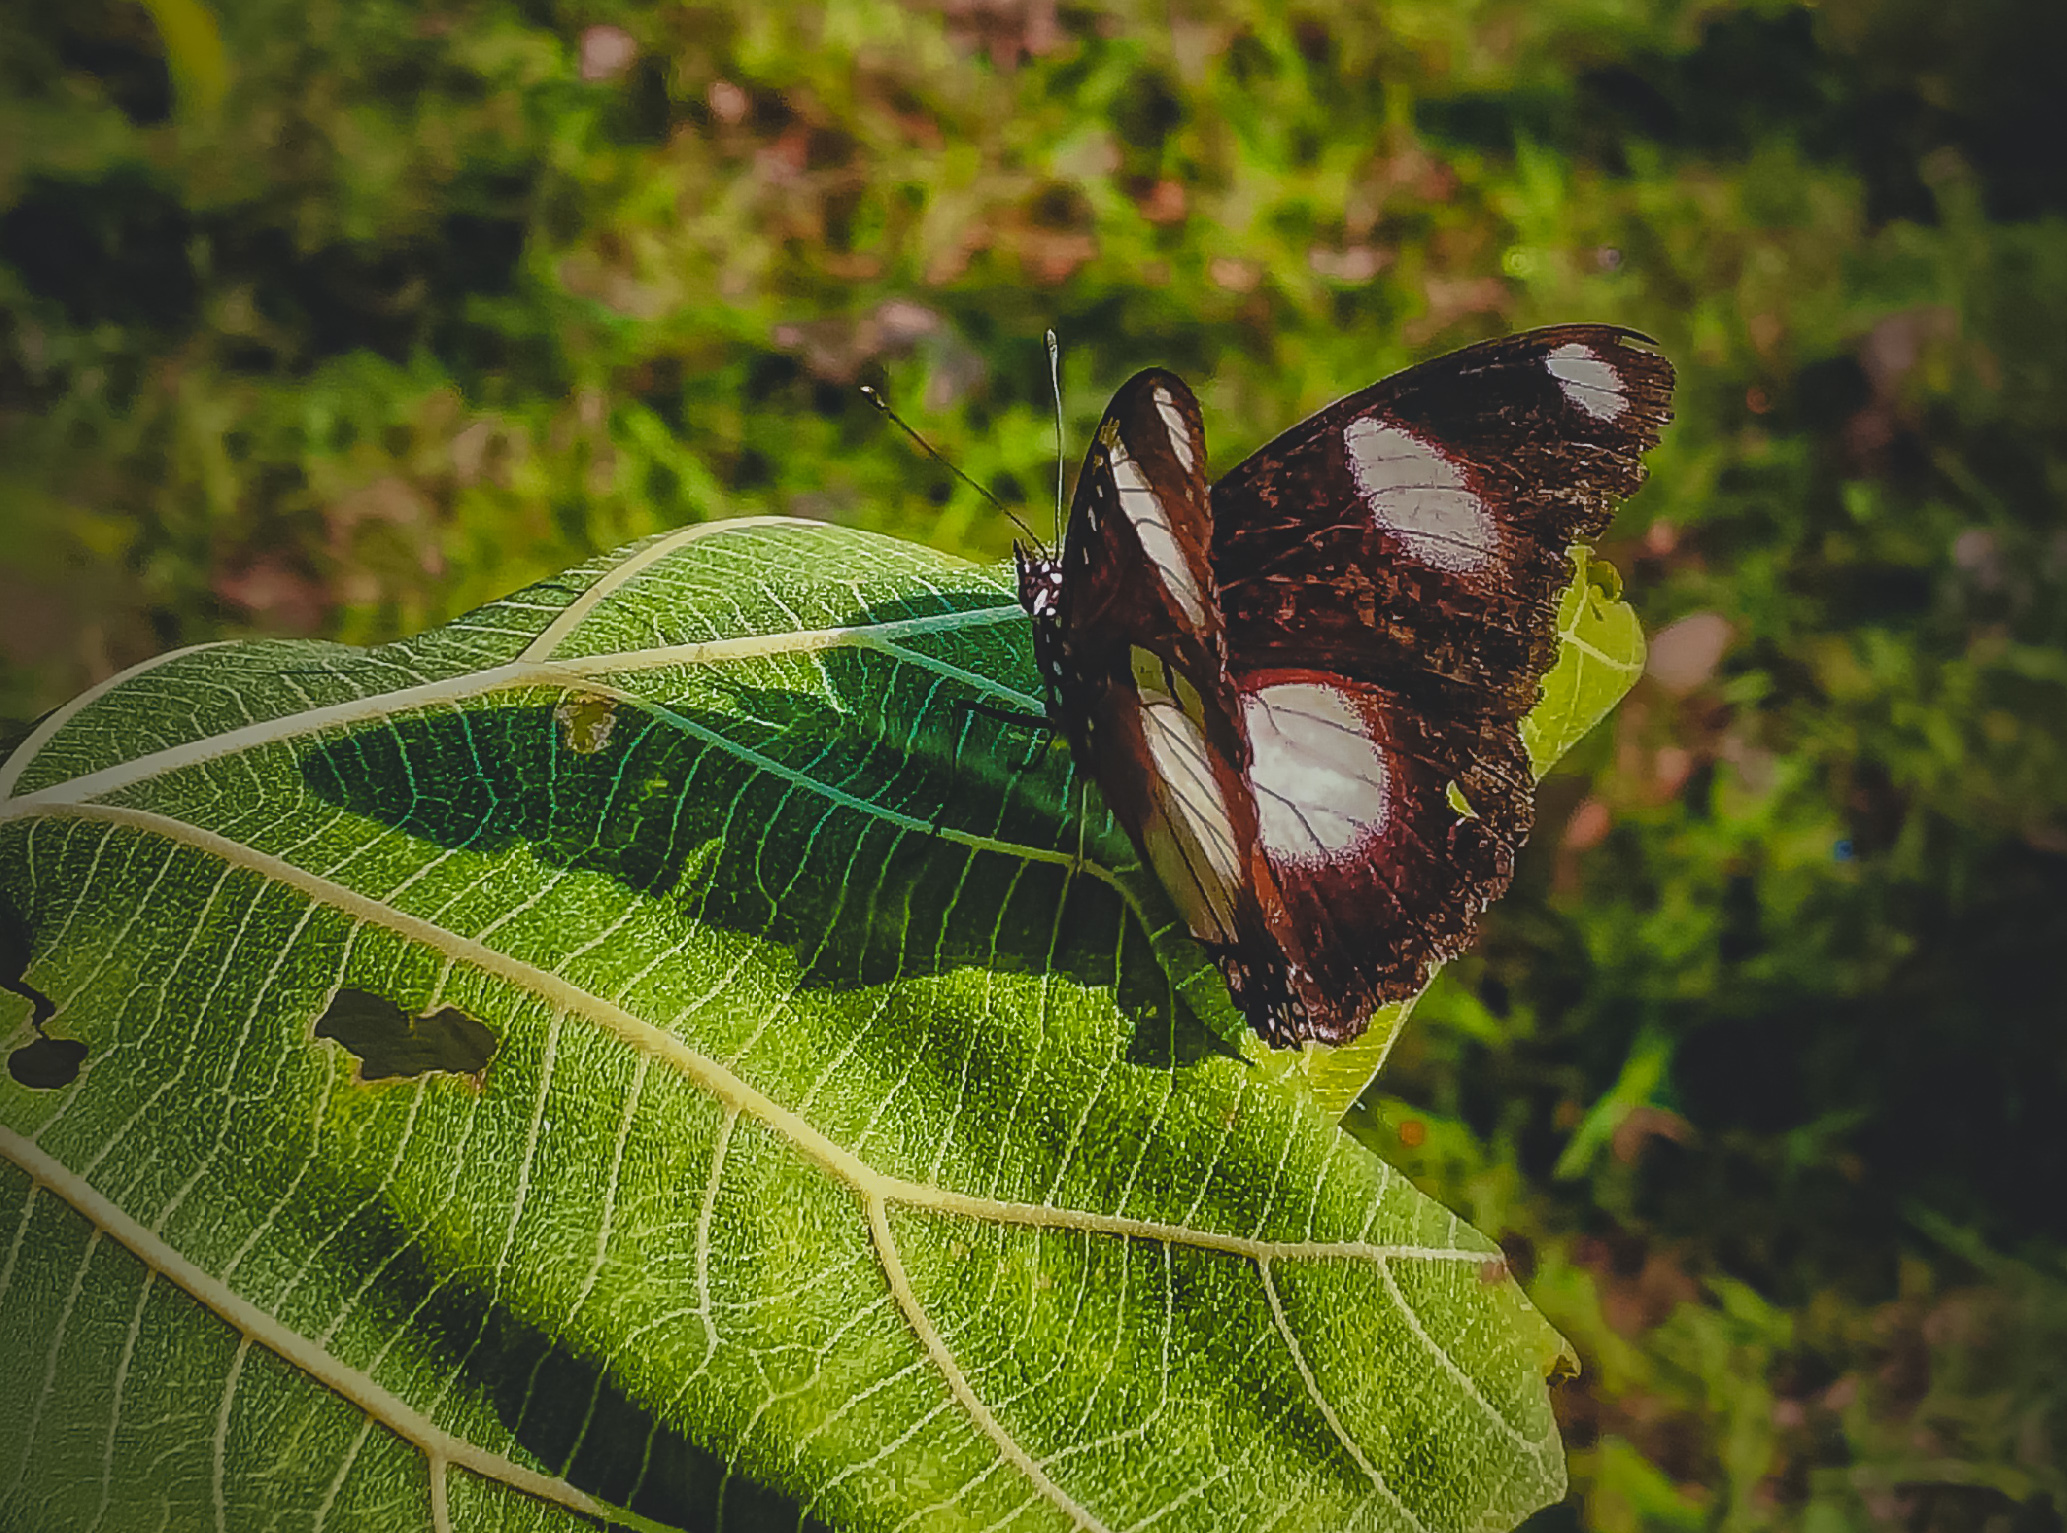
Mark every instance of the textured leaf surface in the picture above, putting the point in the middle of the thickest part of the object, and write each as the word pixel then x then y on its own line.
pixel 547 1069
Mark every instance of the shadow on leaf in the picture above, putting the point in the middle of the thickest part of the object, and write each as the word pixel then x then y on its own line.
pixel 773 813
pixel 565 1409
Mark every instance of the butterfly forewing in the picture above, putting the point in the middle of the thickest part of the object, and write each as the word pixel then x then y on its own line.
pixel 1416 533
pixel 1128 637
pixel 1389 572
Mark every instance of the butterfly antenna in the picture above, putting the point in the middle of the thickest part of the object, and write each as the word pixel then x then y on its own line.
pixel 875 398
pixel 1055 388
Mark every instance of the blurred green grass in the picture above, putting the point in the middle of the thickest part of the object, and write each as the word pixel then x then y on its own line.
pixel 1761 1070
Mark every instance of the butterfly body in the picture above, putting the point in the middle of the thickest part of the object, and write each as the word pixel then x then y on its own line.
pixel 1300 689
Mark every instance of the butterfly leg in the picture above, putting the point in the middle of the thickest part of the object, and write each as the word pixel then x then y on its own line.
pixel 1034 724
pixel 1017 717
pixel 1032 759
pixel 962 708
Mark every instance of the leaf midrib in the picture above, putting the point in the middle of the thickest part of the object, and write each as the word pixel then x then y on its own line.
pixel 576 672
pixel 711 1075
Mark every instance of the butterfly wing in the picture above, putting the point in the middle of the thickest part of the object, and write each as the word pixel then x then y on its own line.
pixel 1388 574
pixel 1128 637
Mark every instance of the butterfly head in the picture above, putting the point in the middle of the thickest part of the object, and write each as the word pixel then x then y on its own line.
pixel 1040 592
pixel 1040 582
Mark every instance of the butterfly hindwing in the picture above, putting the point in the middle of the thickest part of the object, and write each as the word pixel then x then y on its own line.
pixel 1377 874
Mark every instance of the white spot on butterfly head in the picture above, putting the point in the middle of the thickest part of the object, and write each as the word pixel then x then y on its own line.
pixel 1588 382
pixel 1419 496
pixel 1179 428
pixel 1320 779
pixel 1151 523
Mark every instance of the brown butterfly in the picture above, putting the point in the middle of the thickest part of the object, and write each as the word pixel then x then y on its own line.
pixel 1300 690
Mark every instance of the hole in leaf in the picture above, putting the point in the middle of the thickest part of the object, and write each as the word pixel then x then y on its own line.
pixel 47 1063
pixel 44 1063
pixel 388 1042
pixel 17 946
pixel 586 723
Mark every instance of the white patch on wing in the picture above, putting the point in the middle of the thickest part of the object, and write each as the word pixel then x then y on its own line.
pixel 1320 780
pixel 1419 496
pixel 1180 429
pixel 1145 512
pixel 1193 848
pixel 1588 382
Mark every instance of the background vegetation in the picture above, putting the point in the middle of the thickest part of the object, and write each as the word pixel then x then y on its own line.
pixel 356 313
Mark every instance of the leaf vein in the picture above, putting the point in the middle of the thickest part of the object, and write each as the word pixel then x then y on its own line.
pixel 731 1089
pixel 1320 1400
pixel 1457 1375
pixel 253 1324
pixel 957 1382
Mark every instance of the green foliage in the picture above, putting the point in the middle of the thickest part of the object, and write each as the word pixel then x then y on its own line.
pixel 551 1065
pixel 422 312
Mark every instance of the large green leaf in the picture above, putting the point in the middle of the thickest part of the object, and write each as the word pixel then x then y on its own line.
pixel 548 1068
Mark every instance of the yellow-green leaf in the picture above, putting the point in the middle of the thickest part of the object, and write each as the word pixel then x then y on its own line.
pixel 194 51
pixel 1600 656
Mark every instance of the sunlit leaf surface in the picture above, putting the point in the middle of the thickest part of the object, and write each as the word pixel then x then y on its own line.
pixel 551 1068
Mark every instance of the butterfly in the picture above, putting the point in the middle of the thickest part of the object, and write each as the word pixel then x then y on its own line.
pixel 1300 689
